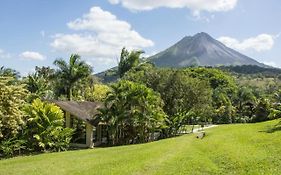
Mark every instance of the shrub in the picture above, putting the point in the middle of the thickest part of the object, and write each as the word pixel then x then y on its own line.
pixel 11 100
pixel 44 131
pixel 11 147
pixel 12 119
pixel 262 111
pixel 96 93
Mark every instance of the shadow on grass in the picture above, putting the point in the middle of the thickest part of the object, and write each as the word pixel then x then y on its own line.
pixel 272 129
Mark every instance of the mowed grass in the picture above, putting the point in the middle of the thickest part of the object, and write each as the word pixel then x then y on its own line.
pixel 227 149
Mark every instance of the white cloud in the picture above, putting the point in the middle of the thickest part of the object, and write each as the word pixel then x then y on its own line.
pixel 262 42
pixel 195 5
pixel 101 35
pixel 29 55
pixel 87 45
pixel 4 55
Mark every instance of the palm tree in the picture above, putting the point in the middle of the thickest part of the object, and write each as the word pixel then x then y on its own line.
pixel 128 60
pixel 132 111
pixel 72 72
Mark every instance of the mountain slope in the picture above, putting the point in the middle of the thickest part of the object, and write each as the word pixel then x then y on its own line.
pixel 202 50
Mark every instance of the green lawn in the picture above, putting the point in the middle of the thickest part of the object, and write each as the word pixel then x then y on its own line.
pixel 228 149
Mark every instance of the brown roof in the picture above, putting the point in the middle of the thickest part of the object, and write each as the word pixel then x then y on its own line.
pixel 83 110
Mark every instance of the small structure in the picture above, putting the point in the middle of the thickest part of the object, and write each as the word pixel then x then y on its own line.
pixel 85 111
pixel 200 135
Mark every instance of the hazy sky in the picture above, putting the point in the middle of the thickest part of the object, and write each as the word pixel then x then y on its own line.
pixel 36 32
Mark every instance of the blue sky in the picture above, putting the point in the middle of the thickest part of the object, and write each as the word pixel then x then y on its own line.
pixel 36 32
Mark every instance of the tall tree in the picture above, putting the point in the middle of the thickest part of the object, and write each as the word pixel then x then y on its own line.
pixel 132 112
pixel 71 72
pixel 128 60
pixel 40 83
pixel 45 72
pixel 180 92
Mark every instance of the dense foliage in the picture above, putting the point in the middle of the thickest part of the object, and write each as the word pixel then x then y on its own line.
pixel 144 104
pixel 70 73
pixel 132 112
pixel 97 92
pixel 12 97
pixel 232 100
pixel 253 70
pixel 39 83
pixel 128 60
pixel 46 127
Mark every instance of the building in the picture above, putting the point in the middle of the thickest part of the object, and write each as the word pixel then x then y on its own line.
pixel 87 113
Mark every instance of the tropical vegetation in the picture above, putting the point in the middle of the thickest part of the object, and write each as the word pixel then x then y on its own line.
pixel 144 104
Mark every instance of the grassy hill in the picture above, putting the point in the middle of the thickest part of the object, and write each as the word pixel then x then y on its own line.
pixel 227 149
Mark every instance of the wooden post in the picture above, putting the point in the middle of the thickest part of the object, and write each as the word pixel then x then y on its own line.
pixel 89 136
pixel 67 120
pixel 99 134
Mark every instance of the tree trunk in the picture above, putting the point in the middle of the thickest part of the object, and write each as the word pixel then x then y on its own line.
pixel 70 94
pixel 192 128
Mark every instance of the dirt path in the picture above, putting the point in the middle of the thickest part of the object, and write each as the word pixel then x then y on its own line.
pixel 200 129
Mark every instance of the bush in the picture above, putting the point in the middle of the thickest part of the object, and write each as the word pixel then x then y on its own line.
pixel 96 93
pixel 12 120
pixel 262 111
pixel 44 131
pixel 275 111
pixel 11 100
pixel 11 147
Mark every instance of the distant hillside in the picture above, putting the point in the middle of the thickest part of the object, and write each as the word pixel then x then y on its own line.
pixel 253 69
pixel 200 50
pixel 109 75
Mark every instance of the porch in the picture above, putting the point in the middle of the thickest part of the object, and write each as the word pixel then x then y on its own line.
pixel 83 115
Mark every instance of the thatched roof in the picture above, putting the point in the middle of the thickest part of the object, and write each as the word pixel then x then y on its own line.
pixel 84 110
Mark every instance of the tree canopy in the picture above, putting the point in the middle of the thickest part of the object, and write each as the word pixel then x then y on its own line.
pixel 132 111
pixel 70 73
pixel 128 60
